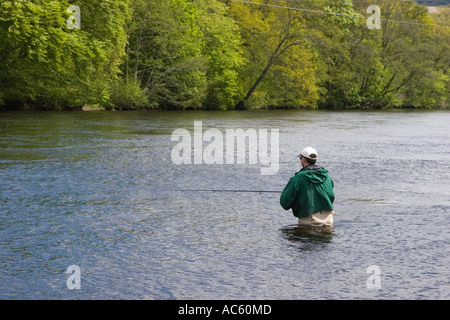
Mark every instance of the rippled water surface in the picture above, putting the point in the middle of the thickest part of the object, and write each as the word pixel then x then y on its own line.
pixel 96 190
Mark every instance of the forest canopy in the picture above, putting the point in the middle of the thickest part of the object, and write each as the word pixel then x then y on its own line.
pixel 223 54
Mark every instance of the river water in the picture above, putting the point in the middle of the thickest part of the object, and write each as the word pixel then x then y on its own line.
pixel 98 190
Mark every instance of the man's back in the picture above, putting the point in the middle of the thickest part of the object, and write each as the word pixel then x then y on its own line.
pixel 308 192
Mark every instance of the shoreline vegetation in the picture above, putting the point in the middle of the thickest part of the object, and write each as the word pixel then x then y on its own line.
pixel 90 108
pixel 223 55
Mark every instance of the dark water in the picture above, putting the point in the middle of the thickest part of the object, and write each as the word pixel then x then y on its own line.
pixel 91 189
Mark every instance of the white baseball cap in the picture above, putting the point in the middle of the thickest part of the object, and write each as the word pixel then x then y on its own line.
pixel 309 153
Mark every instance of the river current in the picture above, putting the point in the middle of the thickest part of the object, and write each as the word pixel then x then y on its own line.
pixel 100 191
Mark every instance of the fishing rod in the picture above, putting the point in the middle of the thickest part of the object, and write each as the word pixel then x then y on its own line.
pixel 226 190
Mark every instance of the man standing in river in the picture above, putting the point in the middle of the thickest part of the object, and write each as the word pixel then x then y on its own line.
pixel 309 193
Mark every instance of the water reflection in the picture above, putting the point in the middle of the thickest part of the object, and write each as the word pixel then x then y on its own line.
pixel 308 235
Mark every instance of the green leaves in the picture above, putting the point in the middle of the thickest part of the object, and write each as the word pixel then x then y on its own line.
pixel 279 70
pixel 214 54
pixel 222 48
pixel 47 65
pixel 344 14
pixel 398 65
pixel 164 52
pixel 184 53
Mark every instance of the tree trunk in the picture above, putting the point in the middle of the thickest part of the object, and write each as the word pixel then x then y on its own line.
pixel 275 55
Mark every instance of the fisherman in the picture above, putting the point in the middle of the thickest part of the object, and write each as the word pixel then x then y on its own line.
pixel 309 193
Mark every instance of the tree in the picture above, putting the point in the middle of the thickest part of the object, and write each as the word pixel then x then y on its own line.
pixel 400 64
pixel 222 47
pixel 164 53
pixel 184 53
pixel 408 56
pixel 269 34
pixel 45 64
pixel 335 42
pixel 440 47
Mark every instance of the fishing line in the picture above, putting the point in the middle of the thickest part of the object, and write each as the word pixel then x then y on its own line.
pixel 225 190
pixel 338 14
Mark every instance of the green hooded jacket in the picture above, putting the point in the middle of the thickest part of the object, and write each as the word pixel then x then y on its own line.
pixel 308 192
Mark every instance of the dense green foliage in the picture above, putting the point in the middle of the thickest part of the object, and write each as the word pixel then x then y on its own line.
pixel 222 54
pixel 45 64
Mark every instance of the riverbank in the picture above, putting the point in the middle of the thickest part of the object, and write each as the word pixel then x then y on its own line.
pixel 30 107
